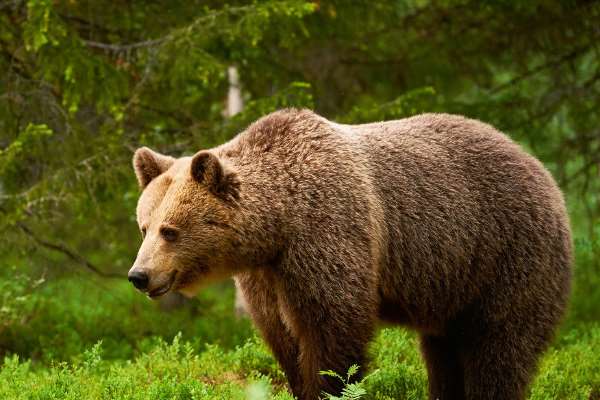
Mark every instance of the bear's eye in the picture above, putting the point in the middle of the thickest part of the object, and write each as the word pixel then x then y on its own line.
pixel 169 234
pixel 143 232
pixel 216 223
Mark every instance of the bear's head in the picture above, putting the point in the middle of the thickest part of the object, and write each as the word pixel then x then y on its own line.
pixel 187 216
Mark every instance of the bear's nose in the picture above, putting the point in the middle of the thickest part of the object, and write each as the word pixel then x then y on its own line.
pixel 139 278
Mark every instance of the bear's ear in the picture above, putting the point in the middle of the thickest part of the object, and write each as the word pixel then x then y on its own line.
pixel 206 168
pixel 149 164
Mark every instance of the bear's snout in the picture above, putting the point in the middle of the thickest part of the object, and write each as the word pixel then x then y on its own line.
pixel 139 278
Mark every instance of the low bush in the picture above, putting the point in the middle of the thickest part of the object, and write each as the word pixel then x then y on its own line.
pixel 176 370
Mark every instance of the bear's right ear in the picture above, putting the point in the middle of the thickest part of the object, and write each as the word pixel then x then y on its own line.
pixel 149 164
pixel 206 168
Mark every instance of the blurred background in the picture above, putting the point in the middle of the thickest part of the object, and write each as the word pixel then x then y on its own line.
pixel 84 83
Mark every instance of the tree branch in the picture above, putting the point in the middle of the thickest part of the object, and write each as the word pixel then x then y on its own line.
pixel 118 48
pixel 61 248
pixel 554 63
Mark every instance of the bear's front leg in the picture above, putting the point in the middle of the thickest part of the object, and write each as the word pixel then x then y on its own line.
pixel 259 293
pixel 333 317
pixel 322 350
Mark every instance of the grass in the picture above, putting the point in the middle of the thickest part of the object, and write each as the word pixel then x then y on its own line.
pixel 65 317
pixel 176 370
pixel 84 339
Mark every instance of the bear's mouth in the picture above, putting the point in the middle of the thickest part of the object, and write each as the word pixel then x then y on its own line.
pixel 163 289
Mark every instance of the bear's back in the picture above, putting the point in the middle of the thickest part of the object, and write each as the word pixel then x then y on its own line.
pixel 461 202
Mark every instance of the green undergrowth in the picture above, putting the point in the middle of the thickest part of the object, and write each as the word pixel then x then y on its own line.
pixel 178 370
pixel 67 316
pixel 165 371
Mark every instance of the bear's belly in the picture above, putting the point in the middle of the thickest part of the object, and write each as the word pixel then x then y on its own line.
pixel 399 314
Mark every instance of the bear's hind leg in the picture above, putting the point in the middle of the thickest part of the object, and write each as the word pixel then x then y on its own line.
pixel 444 371
pixel 500 362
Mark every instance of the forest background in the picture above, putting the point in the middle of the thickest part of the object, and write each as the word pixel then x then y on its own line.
pixel 84 83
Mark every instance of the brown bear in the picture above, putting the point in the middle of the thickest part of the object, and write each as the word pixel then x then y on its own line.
pixel 437 222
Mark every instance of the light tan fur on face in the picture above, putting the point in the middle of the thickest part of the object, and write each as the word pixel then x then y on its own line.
pixel 200 255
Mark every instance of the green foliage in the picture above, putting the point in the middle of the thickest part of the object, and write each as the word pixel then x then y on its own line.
pixel 586 297
pixel 412 102
pixel 42 26
pixel 60 319
pixel 571 371
pixel 168 371
pixel 24 142
pixel 176 370
pixel 297 94
pixel 401 370
pixel 17 300
pixel 351 390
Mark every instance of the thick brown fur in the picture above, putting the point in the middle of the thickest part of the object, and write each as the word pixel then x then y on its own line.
pixel 437 222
